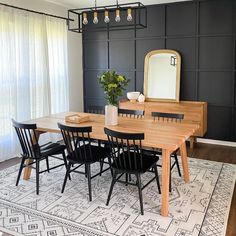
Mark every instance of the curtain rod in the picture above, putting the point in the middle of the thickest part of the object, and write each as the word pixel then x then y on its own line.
pixel 37 12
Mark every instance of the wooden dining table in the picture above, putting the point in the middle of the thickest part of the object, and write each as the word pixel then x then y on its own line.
pixel 168 136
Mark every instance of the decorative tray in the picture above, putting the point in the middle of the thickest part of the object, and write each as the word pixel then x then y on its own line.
pixel 76 118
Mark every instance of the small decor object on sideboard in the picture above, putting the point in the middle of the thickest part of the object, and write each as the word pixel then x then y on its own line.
pixel 113 86
pixel 133 96
pixel 141 98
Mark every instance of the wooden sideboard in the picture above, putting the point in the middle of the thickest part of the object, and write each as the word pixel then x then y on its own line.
pixel 194 112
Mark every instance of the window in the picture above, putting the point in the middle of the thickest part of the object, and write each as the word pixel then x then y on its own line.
pixel 33 71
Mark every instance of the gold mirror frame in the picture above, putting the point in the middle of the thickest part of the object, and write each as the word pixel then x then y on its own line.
pixel 146 67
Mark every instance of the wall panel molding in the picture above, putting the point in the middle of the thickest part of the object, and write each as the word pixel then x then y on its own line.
pixel 204 32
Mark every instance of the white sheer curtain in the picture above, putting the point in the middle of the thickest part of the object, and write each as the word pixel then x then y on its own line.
pixel 58 65
pixel 33 71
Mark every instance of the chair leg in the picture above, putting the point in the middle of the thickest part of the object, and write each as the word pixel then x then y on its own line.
pixel 111 187
pixel 20 170
pixel 140 192
pixel 89 181
pixel 101 166
pixel 170 177
pixel 126 178
pixel 177 163
pixel 65 161
pixel 130 177
pixel 47 162
pixel 37 177
pixel 109 161
pixel 157 179
pixel 66 176
pixel 85 171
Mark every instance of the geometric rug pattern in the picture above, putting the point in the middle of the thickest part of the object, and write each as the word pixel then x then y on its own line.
pixel 200 207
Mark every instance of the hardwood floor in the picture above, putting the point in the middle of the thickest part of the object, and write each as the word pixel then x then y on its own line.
pixel 8 163
pixel 201 151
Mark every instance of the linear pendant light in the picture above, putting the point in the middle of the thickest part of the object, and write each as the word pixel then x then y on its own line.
pixel 136 17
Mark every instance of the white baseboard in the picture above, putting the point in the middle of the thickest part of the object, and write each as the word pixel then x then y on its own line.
pixel 216 142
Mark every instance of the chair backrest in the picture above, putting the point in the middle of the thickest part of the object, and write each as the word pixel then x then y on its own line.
pixel 168 116
pixel 96 109
pixel 126 149
pixel 77 141
pixel 28 139
pixel 131 113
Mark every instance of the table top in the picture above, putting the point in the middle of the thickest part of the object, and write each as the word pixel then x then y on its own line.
pixel 157 134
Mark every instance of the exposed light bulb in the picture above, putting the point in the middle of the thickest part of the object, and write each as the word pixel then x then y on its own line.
pixel 95 20
pixel 85 19
pixel 95 17
pixel 129 15
pixel 117 19
pixel 106 19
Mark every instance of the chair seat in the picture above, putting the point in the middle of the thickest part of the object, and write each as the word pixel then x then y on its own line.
pixel 97 153
pixel 96 141
pixel 123 163
pixel 158 151
pixel 52 149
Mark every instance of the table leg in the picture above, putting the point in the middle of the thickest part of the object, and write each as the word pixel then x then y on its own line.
pixel 165 182
pixel 184 158
pixel 27 171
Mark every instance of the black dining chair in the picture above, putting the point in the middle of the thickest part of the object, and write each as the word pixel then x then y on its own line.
pixel 31 150
pixel 131 113
pixel 82 152
pixel 96 109
pixel 128 158
pixel 136 114
pixel 99 110
pixel 170 117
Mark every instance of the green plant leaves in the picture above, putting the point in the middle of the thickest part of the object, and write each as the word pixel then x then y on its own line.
pixel 113 86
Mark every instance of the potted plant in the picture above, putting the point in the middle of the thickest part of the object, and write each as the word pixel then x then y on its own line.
pixel 113 85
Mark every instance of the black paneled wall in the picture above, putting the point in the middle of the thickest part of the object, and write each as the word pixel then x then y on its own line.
pixel 204 34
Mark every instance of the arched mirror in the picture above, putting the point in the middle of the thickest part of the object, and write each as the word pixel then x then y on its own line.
pixel 162 75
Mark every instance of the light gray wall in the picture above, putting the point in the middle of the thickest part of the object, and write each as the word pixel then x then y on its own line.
pixel 75 70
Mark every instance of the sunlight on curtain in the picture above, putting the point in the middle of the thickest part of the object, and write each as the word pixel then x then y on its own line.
pixel 33 71
pixel 57 54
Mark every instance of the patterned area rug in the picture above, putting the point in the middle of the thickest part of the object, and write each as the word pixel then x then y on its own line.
pixel 200 207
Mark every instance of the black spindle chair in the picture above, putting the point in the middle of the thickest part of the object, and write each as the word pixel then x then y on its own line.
pixel 170 117
pixel 131 113
pixel 96 109
pixel 128 158
pixel 136 114
pixel 81 152
pixel 32 150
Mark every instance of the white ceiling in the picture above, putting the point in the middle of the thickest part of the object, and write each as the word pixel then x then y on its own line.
pixel 90 3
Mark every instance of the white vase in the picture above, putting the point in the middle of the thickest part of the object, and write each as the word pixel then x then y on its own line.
pixel 111 115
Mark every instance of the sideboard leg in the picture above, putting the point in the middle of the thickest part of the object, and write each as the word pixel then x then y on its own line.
pixel 193 140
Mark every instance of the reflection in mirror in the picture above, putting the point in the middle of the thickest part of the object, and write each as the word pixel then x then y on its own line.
pixel 162 68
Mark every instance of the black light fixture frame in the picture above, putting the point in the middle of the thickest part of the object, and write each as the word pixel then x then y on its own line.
pixel 140 12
